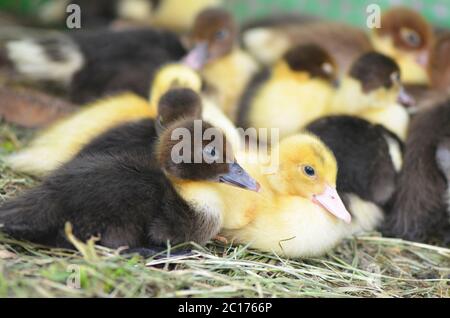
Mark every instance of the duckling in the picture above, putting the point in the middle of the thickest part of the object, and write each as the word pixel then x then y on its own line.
pixel 64 139
pixel 298 212
pixel 404 36
pixel 292 93
pixel 222 64
pixel 373 90
pixel 420 205
pixel 127 198
pixel 169 14
pixel 369 158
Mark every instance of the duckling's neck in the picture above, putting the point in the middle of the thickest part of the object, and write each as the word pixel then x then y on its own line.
pixel 351 99
pixel 230 75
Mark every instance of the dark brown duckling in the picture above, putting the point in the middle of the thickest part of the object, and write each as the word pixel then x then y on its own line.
pixel 419 209
pixel 127 198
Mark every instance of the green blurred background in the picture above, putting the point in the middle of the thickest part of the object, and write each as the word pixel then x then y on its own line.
pixel 352 11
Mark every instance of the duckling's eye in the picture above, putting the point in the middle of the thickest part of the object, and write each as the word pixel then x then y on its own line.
pixel 211 153
pixel 309 171
pixel 395 77
pixel 411 37
pixel 221 34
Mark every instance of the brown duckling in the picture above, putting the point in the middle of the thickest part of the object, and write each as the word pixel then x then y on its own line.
pixel 127 198
pixel 420 205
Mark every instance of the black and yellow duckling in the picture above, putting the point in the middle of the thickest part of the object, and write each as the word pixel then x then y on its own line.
pixel 420 206
pixel 61 142
pixel 224 66
pixel 404 36
pixel 373 90
pixel 369 158
pixel 169 14
pixel 127 198
pixel 295 91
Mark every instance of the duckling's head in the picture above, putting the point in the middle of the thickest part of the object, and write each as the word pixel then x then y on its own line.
pixel 439 64
pixel 374 80
pixel 305 62
pixel 194 150
pixel 176 104
pixel 407 37
pixel 307 168
pixel 171 76
pixel 212 37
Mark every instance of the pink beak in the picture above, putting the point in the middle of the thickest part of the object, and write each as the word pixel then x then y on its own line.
pixel 197 57
pixel 330 201
pixel 422 59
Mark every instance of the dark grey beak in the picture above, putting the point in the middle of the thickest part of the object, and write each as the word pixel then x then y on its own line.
pixel 405 99
pixel 336 83
pixel 238 177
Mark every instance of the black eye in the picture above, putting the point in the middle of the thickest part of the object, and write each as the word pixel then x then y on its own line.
pixel 309 171
pixel 221 34
pixel 213 152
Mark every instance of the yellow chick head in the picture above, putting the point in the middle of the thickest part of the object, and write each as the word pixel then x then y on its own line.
pixel 407 37
pixel 307 168
pixel 307 62
pixel 173 76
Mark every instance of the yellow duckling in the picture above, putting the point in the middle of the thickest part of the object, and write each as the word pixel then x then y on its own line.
pixel 62 141
pixel 223 64
pixel 297 212
pixel 373 90
pixel 296 90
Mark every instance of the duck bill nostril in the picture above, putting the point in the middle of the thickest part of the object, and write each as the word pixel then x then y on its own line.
pixel 197 57
pixel 238 177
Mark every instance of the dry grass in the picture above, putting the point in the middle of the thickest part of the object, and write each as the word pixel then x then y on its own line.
pixel 369 266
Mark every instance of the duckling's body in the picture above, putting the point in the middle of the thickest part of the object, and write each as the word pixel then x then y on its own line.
pixel 419 209
pixel 294 92
pixel 229 77
pixel 369 158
